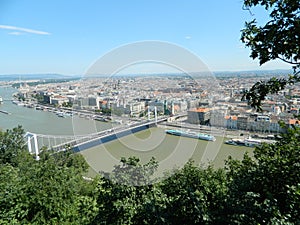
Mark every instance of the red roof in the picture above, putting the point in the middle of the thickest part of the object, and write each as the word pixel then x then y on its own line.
pixel 231 117
pixel 294 121
pixel 200 110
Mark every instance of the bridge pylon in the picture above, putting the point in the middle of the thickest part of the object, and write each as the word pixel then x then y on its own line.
pixel 155 114
pixel 33 148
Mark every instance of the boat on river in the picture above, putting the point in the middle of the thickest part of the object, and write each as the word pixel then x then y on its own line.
pixel 69 113
pixel 191 134
pixel 61 114
pixel 5 112
pixel 248 142
pixel 237 142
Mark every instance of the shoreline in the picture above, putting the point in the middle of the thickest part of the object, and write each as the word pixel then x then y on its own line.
pixel 216 131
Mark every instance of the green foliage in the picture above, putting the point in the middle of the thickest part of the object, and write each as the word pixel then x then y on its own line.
pixel 265 189
pixel 132 173
pixel 261 89
pixel 69 159
pixel 106 111
pixel 67 104
pixel 38 97
pixel 49 191
pixel 279 38
pixel 121 194
pixel 195 195
pixel 21 98
pixel 191 195
pixel 12 146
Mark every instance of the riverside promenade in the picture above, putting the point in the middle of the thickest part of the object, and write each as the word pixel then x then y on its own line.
pixel 216 131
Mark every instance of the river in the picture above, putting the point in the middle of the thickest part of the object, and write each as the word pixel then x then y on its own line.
pixel 170 151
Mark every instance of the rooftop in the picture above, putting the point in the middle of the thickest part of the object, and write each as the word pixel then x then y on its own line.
pixel 199 110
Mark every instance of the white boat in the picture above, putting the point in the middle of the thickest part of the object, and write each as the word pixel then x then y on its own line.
pixel 1 100
pixel 69 113
pixel 61 114
pixel 20 104
pixel 236 142
pixel 189 134
pixel 248 142
pixel 5 112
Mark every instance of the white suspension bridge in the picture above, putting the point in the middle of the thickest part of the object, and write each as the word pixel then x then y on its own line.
pixel 37 143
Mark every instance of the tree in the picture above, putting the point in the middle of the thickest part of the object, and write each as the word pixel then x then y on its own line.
pixel 122 193
pixel 195 195
pixel 265 189
pixel 190 195
pixel 106 111
pixel 12 146
pixel 38 97
pixel 279 39
pixel 67 104
pixel 48 191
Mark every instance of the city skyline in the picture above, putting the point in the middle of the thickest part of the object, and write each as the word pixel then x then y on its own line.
pixel 66 38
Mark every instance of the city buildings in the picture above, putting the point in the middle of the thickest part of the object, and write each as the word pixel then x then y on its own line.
pixel 199 116
pixel 215 104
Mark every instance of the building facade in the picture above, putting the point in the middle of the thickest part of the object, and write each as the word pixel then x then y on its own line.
pixel 199 116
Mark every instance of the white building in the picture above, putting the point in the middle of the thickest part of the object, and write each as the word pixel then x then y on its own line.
pixel 135 108
pixel 58 100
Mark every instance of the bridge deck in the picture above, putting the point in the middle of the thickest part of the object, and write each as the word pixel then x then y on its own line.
pixel 82 142
pixel 106 136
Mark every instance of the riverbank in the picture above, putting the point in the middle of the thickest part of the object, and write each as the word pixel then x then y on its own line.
pixel 215 131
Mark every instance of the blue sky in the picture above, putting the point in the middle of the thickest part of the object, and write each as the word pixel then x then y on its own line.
pixel 66 37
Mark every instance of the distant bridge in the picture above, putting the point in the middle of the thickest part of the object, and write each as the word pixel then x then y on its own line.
pixel 56 143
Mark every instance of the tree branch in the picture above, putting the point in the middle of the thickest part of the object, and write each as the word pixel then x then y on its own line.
pixel 284 60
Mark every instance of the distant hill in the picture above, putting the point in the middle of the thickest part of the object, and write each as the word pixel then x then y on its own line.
pixel 219 74
pixel 21 77
pixel 253 73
